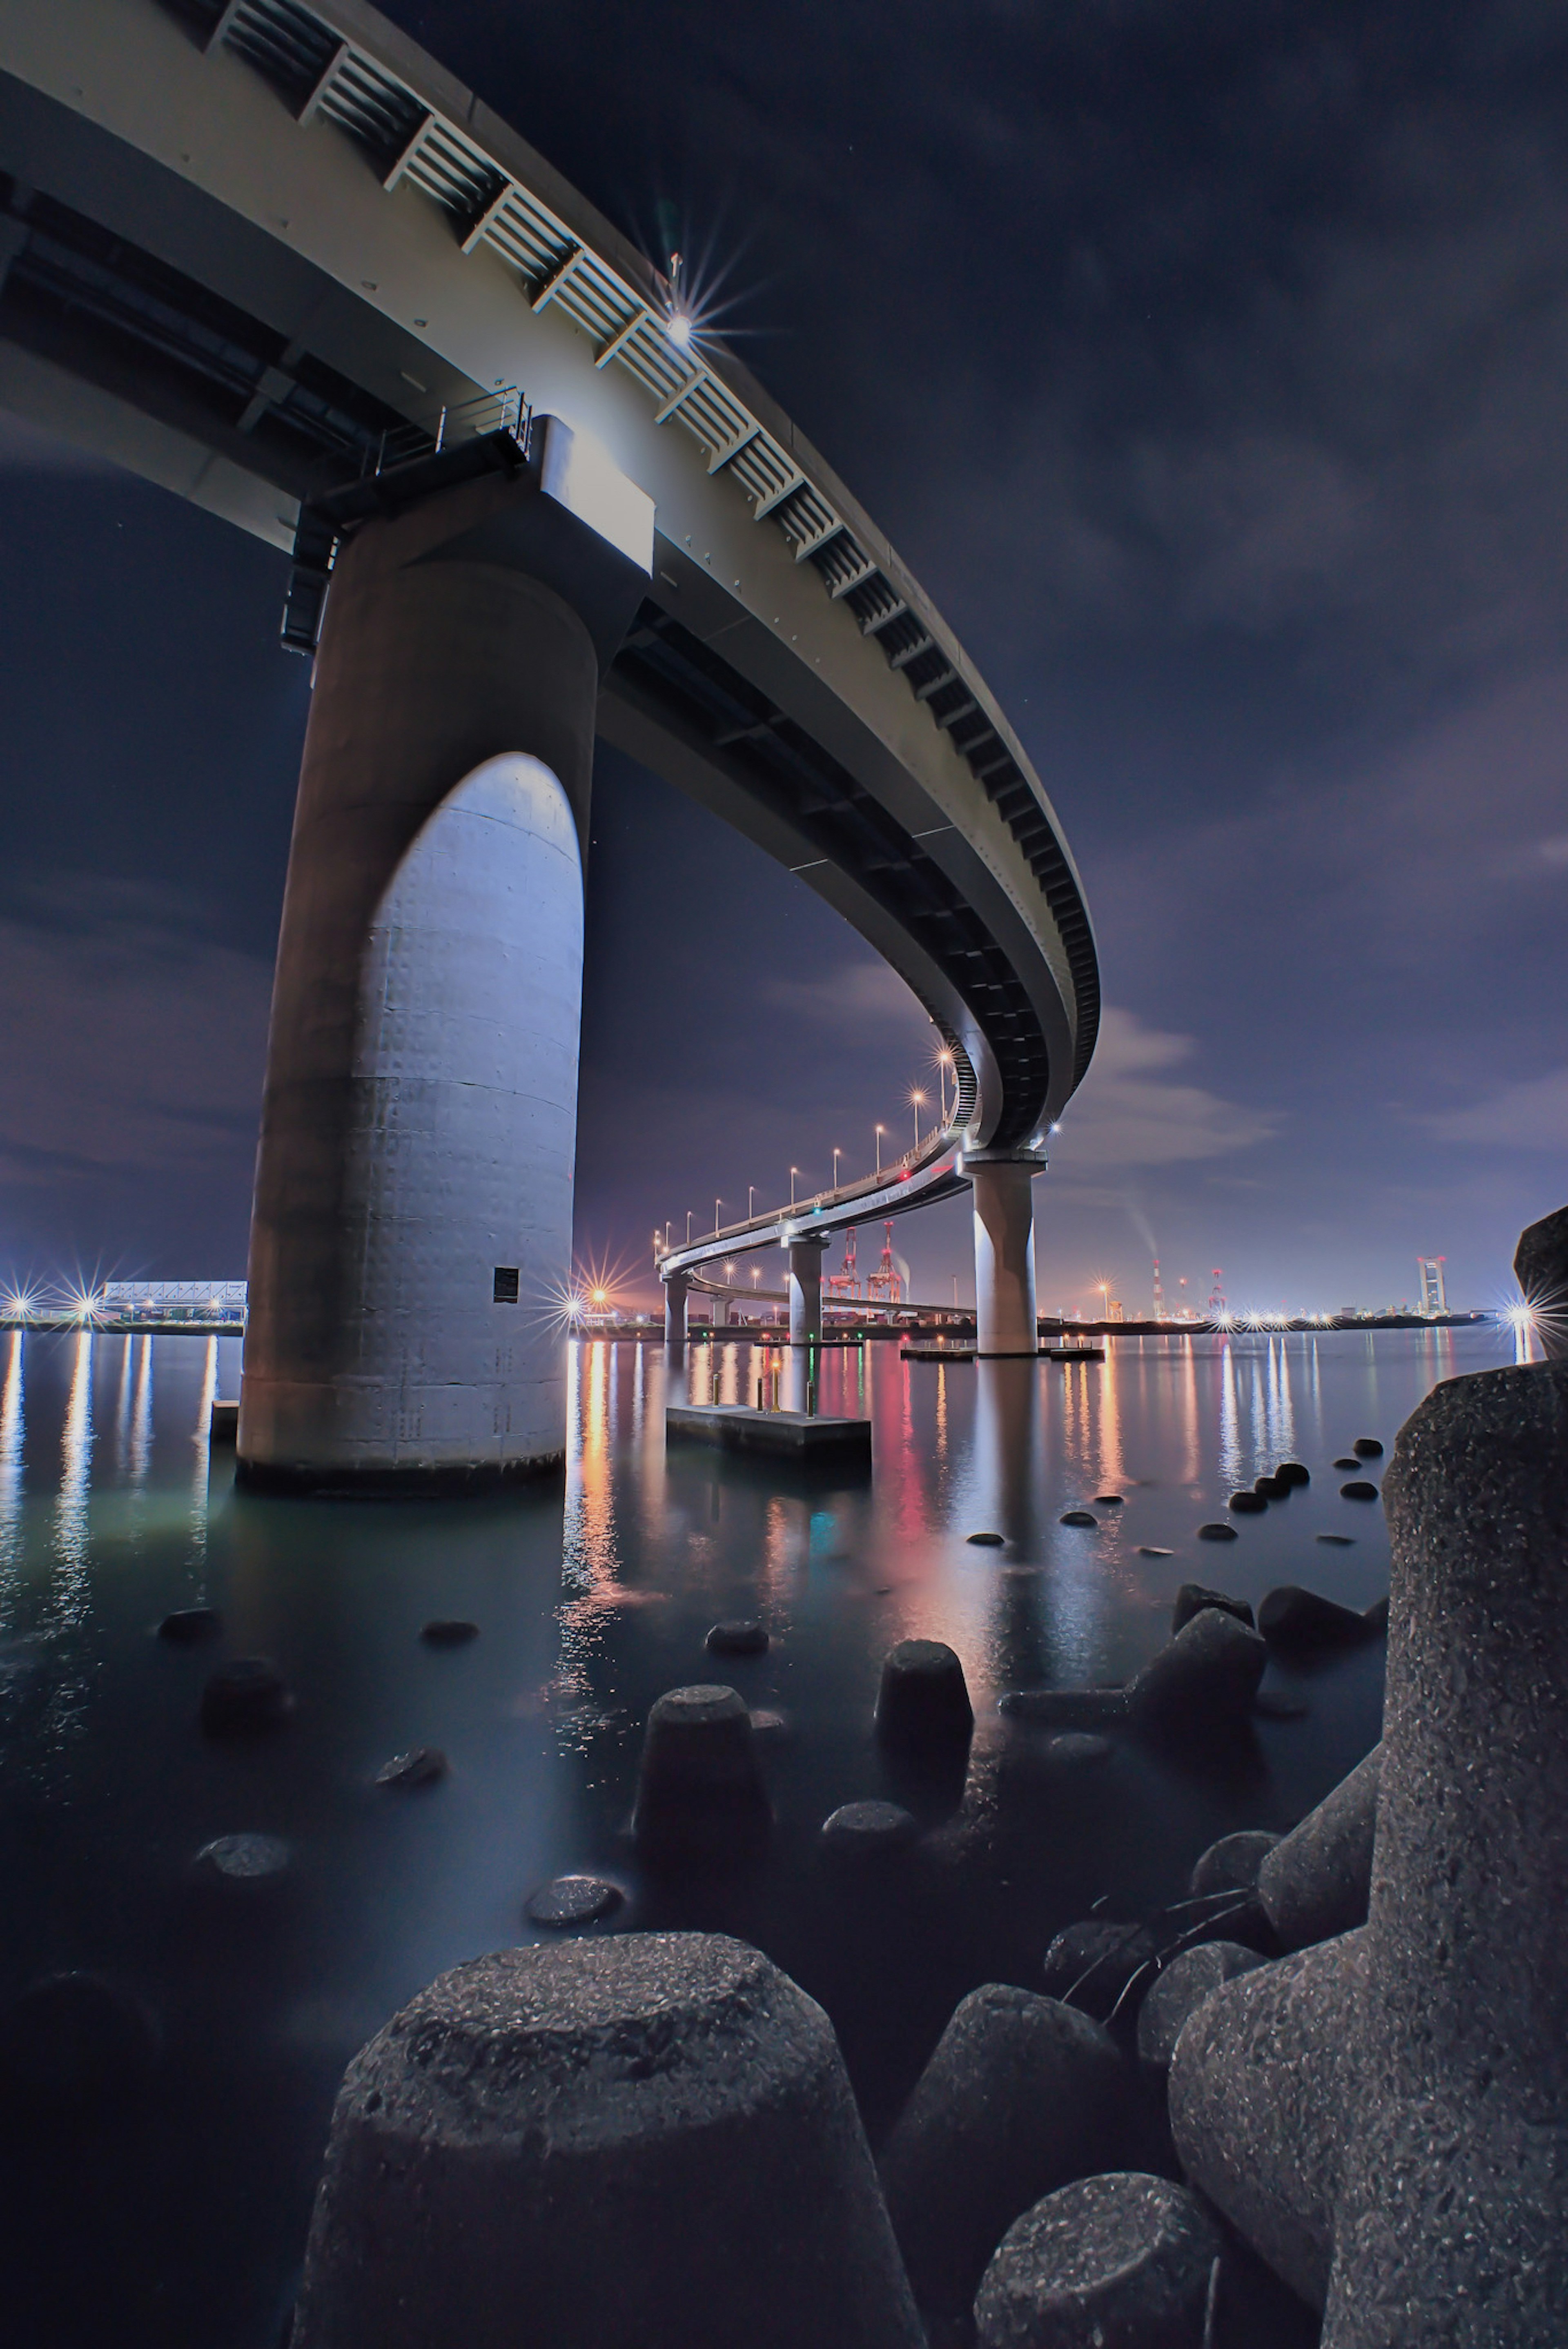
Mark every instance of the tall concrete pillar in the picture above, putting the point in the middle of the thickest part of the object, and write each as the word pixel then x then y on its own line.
pixel 410 1241
pixel 805 1287
pixel 677 1288
pixel 1004 1254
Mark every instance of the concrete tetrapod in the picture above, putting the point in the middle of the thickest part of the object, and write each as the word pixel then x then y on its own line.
pixel 700 1792
pixel 1540 1268
pixel 598 2144
pixel 1022 2096
pixel 1315 1881
pixel 1382 2116
pixel 1122 2261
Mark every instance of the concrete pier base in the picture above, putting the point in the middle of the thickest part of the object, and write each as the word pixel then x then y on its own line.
pixel 791 1435
pixel 804 1284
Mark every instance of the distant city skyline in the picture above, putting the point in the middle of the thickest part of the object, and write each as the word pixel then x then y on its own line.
pixel 1243 345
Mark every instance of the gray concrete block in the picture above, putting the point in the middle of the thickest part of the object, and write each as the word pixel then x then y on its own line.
pixel 1316 1881
pixel 601 2143
pixel 1021 2095
pixel 1180 1989
pixel 700 1792
pixel 1122 2261
pixel 1206 1677
pixel 1380 2114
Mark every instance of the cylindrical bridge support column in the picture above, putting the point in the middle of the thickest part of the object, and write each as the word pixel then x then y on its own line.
pixel 677 1288
pixel 805 1285
pixel 410 1239
pixel 1005 1321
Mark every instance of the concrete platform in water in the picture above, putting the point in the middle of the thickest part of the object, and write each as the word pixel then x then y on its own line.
pixel 794 1433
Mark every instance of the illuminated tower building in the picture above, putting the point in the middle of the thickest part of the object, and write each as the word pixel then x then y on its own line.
pixel 1434 1291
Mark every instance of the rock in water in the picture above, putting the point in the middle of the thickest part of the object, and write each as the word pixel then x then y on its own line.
pixel 574 1901
pixel 1247 1504
pixel 244 1698
pixel 187 1625
pixel 986 1541
pixel 1217 1531
pixel 1300 1623
pixel 1292 1473
pixel 1122 2261
pixel 1358 1489
pixel 1022 2096
pixel 244 1859
pixel 924 1699
pixel 1192 1976
pixel 1540 1268
pixel 76 2040
pixel 700 1793
pixel 448 1631
pixel 1380 2114
pixel 422 1765
pixel 1315 1883
pixel 1079 1518
pixel 1206 1677
pixel 616 2140
pixel 1366 1447
pixel 867 1830
pixel 737 1638
pixel 1192 1599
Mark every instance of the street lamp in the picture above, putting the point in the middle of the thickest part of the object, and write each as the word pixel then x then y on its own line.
pixel 717 1204
pixel 918 1100
pixel 668 1221
pixel 687 1226
pixel 751 1201
pixel 837 1157
pixel 944 1063
pixel 881 1130
pixel 793 1172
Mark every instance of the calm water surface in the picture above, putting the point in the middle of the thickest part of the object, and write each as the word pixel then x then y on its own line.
pixel 181 2219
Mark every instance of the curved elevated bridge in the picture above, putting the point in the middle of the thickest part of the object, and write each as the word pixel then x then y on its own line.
pixel 273 256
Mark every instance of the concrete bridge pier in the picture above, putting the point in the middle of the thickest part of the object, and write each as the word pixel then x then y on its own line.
pixel 803 1286
pixel 1005 1320
pixel 677 1289
pixel 410 1240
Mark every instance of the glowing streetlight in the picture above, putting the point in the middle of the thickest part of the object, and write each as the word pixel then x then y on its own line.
pixel 919 1101
pixel 717 1204
pixel 751 1201
pixel 837 1157
pixel 944 1063
pixel 687 1226
pixel 881 1130
pixel 793 1172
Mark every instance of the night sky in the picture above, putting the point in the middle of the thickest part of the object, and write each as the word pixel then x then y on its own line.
pixel 1210 366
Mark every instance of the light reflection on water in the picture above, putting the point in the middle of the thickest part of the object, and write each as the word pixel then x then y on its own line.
pixel 590 1600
